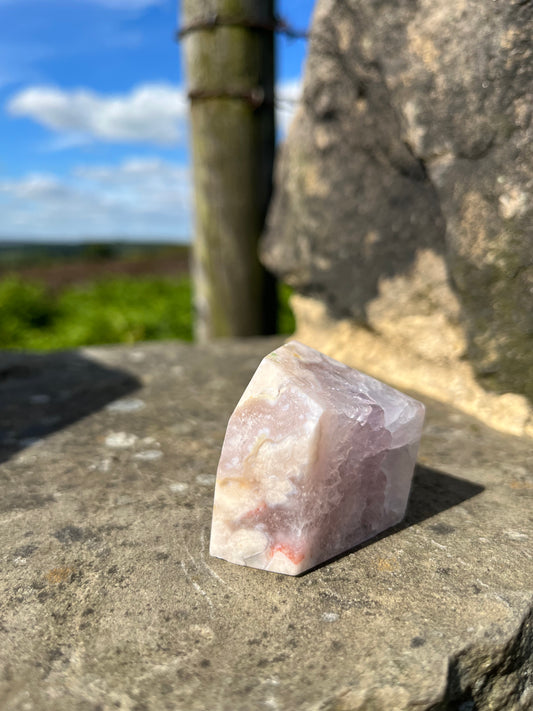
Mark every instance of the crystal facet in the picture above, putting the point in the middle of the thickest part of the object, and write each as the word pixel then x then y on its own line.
pixel 317 458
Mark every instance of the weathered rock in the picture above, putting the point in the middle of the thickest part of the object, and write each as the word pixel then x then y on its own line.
pixel 413 145
pixel 317 459
pixel 109 599
pixel 404 354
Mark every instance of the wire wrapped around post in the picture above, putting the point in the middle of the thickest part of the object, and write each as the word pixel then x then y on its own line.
pixel 210 22
pixel 230 70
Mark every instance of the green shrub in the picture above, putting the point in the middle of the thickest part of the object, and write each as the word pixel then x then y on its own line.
pixel 125 310
pixel 26 311
pixel 115 310
pixel 286 323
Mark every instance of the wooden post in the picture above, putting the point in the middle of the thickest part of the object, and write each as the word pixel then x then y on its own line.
pixel 229 51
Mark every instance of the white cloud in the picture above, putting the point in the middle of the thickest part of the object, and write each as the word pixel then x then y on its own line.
pixel 150 113
pixel 37 186
pixel 140 198
pixel 288 94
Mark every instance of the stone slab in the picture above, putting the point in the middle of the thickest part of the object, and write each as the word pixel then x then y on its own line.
pixel 109 599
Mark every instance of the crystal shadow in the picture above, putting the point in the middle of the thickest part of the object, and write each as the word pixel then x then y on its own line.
pixel 432 492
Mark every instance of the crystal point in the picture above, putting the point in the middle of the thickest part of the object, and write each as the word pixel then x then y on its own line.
pixel 317 458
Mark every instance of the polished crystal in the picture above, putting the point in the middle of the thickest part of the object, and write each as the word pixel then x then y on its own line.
pixel 317 458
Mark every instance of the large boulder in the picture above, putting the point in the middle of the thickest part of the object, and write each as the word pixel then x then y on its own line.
pixel 403 200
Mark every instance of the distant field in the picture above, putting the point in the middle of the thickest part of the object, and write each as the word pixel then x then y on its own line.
pixel 20 254
pixel 58 266
pixel 97 295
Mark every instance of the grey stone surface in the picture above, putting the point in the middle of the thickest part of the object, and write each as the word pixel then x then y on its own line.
pixel 109 598
pixel 415 134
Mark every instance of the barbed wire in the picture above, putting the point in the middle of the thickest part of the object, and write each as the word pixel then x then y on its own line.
pixel 255 97
pixel 211 22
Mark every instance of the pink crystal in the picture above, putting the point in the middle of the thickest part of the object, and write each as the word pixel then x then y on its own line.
pixel 317 458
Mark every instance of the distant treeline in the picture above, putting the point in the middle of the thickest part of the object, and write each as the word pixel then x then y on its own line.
pixel 18 254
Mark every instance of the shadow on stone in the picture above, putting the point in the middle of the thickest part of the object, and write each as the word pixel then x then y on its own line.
pixel 42 393
pixel 432 492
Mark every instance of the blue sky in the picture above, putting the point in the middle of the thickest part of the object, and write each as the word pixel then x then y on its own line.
pixel 93 133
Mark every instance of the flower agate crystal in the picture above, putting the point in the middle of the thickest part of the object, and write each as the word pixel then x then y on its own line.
pixel 317 458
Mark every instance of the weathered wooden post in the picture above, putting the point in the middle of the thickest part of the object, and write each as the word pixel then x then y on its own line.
pixel 229 50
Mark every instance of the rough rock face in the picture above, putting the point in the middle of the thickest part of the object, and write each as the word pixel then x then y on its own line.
pixel 317 458
pixel 413 146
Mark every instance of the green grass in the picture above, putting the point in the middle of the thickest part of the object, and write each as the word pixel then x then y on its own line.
pixel 286 321
pixel 116 310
